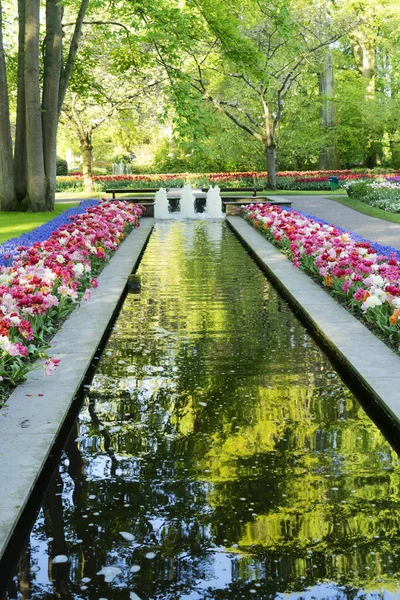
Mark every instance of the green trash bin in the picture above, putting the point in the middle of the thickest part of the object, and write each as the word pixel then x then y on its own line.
pixel 333 182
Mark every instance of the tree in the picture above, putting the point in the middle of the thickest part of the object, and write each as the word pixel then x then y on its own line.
pixel 6 161
pixel 38 106
pixel 102 87
pixel 245 66
pixel 329 153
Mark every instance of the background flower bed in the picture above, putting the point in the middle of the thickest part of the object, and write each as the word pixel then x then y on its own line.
pixel 41 233
pixel 41 282
pixel 286 180
pixel 362 275
pixel 383 194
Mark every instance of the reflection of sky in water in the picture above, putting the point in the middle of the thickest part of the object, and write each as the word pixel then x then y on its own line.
pixel 218 436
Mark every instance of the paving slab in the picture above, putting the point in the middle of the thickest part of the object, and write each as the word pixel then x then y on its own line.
pixel 373 365
pixel 35 412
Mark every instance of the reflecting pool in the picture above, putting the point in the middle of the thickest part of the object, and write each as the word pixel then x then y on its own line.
pixel 217 455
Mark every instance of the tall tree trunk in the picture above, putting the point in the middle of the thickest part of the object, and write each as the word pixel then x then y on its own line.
pixel 24 568
pixel 270 152
pixel 20 165
pixel 395 153
pixel 329 154
pixel 34 137
pixel 87 162
pixel 7 193
pixel 364 56
pixel 51 85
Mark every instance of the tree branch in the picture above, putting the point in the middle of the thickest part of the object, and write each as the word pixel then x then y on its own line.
pixel 73 49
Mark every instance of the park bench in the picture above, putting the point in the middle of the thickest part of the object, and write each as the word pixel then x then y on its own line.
pixel 254 190
pixel 144 193
pixel 231 203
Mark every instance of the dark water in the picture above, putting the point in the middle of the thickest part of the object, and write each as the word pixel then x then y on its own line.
pixel 220 438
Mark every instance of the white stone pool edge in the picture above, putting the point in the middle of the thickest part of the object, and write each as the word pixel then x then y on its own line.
pixel 375 366
pixel 35 412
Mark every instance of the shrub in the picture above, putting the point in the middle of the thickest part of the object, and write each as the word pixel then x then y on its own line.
pixel 357 189
pixel 62 167
pixel 384 195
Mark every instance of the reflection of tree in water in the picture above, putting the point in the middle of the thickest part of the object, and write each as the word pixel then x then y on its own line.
pixel 215 431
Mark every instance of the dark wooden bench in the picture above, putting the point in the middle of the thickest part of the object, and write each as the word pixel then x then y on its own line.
pixel 137 191
pixel 254 190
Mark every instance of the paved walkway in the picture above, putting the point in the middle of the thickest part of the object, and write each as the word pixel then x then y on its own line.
pixel 377 230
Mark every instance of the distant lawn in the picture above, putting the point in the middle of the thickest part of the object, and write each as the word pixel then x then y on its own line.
pixel 13 224
pixel 78 196
pixel 338 192
pixel 366 209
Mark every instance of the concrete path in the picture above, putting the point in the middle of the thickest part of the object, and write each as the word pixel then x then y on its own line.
pixel 374 368
pixel 35 412
pixel 377 230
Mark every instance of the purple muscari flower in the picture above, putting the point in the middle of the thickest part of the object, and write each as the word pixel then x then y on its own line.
pixel 8 250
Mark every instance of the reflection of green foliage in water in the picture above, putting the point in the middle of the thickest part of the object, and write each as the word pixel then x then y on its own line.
pixel 235 438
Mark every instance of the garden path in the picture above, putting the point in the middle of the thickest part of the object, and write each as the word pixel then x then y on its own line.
pixel 377 230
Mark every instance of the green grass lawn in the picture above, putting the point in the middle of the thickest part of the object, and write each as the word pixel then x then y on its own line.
pixel 78 196
pixel 338 192
pixel 13 224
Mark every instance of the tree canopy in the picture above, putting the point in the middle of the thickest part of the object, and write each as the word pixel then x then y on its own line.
pixel 268 84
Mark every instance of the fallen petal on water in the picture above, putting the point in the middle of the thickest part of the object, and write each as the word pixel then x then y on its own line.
pixel 127 536
pixel 135 568
pixel 110 573
pixel 60 558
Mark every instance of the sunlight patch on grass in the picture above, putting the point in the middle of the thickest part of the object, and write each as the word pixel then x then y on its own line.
pixel 13 224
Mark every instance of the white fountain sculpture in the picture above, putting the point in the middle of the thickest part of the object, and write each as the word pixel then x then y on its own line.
pixel 187 201
pixel 213 207
pixel 161 210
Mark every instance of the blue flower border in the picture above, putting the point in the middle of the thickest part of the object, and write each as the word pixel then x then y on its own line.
pixel 8 250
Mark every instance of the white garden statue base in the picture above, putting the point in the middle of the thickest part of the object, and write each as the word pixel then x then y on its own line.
pixel 187 200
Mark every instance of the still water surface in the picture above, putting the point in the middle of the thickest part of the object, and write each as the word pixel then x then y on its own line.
pixel 217 455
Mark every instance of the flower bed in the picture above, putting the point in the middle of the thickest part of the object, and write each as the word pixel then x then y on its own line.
pixel 8 250
pixel 381 194
pixel 286 180
pixel 43 284
pixel 354 271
